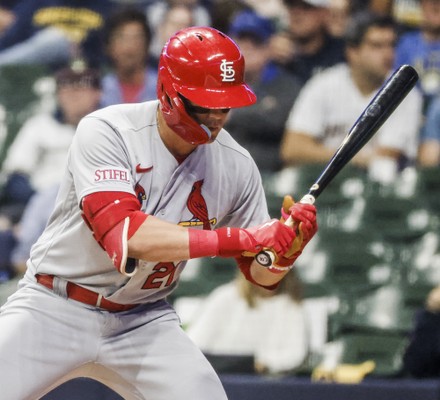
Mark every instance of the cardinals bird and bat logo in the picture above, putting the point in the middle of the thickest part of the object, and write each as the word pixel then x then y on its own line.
pixel 197 206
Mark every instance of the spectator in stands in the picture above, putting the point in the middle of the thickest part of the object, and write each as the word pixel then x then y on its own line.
pixel 407 13
pixel 7 15
pixel 16 241
pixel 329 104
pixel 222 12
pixel 422 356
pixel 275 10
pixel 7 243
pixel 306 47
pixel 127 39
pixel 339 14
pixel 240 319
pixel 31 226
pixel 36 157
pixel 429 147
pixel 165 20
pixel 53 32
pixel 174 18
pixel 260 127
pixel 421 49
pixel 34 166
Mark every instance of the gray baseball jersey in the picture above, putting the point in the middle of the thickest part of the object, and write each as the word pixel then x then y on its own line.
pixel 119 149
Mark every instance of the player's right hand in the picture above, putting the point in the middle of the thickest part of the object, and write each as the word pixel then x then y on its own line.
pixel 304 222
pixel 273 235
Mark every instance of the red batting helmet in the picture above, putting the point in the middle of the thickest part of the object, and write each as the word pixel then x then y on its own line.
pixel 205 66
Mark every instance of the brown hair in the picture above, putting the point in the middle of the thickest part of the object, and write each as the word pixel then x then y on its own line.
pixel 290 285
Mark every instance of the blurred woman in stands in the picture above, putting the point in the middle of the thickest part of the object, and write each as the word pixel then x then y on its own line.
pixel 241 319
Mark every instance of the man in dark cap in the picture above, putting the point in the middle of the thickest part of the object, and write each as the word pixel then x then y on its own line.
pixel 260 127
pixel 306 47
pixel 38 153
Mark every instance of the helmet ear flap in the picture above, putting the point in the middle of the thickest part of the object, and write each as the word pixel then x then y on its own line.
pixel 175 114
pixel 164 88
pixel 168 100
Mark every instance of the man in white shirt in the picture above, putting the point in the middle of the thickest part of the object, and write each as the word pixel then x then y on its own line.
pixel 330 103
pixel 39 150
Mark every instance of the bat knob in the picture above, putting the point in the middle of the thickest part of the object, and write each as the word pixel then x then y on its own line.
pixel 265 258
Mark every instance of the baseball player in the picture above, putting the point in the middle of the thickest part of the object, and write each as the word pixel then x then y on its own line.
pixel 147 187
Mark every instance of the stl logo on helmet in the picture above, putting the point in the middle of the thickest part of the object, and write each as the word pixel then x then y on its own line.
pixel 228 72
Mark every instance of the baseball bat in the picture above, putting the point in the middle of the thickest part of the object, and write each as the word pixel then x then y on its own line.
pixel 383 104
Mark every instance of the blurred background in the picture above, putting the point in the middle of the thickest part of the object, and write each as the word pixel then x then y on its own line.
pixel 360 314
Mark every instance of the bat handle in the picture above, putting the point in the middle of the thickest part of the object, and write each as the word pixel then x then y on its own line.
pixel 308 199
pixel 267 257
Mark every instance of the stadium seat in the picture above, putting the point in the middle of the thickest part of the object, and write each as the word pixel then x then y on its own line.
pixel 386 351
pixel 385 310
pixel 344 262
pixel 422 270
pixel 348 182
pixel 428 187
pixel 398 222
pixel 210 273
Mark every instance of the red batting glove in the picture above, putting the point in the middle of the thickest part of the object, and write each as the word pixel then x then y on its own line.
pixel 304 217
pixel 233 242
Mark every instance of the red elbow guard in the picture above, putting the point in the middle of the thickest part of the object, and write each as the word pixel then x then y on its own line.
pixel 113 218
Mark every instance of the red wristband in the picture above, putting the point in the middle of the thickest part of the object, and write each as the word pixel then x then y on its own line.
pixel 229 242
pixel 202 243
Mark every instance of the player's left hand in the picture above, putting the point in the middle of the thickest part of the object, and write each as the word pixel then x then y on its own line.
pixel 304 221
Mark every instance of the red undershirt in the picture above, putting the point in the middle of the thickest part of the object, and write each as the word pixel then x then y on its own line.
pixel 130 92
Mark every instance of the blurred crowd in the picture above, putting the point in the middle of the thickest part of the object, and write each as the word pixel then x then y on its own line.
pixel 314 65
